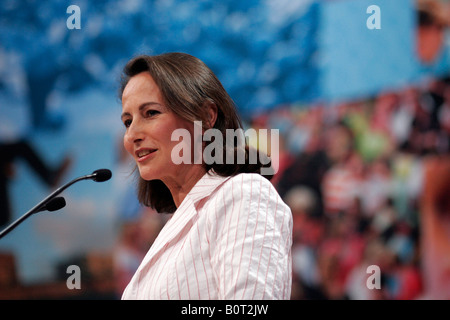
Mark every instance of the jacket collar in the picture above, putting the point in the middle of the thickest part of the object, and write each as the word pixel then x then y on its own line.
pixel 185 214
pixel 205 186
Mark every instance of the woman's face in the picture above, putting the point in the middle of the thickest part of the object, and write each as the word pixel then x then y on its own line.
pixel 149 125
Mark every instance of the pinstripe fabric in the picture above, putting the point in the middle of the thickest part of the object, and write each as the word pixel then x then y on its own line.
pixel 229 239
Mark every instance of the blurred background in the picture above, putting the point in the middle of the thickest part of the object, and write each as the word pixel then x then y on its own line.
pixel 361 98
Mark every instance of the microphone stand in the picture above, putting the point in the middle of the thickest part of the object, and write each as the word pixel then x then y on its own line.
pixel 56 204
pixel 41 205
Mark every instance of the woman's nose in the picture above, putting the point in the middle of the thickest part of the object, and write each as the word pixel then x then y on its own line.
pixel 134 133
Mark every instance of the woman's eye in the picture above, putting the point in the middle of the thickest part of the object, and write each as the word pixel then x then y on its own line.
pixel 151 113
pixel 127 123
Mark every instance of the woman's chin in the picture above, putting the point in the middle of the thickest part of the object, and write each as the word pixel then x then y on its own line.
pixel 148 175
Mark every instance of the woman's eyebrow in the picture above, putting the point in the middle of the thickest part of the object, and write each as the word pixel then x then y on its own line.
pixel 141 107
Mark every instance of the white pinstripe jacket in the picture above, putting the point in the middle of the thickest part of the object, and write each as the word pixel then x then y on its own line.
pixel 229 239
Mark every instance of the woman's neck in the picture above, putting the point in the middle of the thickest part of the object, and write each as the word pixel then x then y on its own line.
pixel 183 182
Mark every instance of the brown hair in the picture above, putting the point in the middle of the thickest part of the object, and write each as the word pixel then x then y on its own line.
pixel 186 83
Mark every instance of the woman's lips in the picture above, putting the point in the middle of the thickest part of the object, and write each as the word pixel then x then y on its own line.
pixel 144 154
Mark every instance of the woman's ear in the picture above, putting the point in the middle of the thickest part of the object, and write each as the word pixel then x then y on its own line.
pixel 211 110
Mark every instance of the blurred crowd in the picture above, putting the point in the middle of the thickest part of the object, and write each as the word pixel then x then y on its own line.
pixel 354 176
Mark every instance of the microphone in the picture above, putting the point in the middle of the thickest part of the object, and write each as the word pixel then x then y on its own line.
pixel 99 175
pixel 54 203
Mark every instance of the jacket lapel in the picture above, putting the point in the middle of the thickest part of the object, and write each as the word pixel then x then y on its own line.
pixel 183 218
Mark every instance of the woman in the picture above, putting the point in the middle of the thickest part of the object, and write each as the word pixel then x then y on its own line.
pixel 230 235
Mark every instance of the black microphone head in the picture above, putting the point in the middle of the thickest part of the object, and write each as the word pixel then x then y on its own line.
pixel 101 175
pixel 55 204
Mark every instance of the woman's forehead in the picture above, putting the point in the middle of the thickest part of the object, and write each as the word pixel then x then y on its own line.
pixel 141 86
